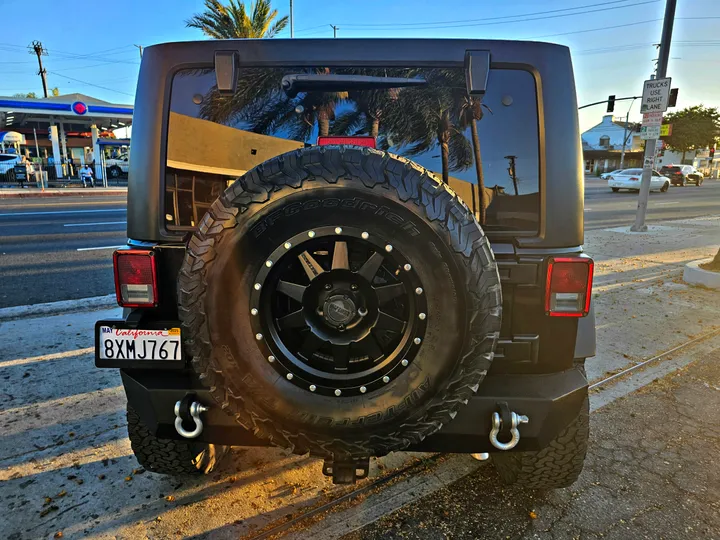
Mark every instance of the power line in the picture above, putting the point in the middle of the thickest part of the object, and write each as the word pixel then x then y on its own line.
pixel 490 18
pixel 619 26
pixel 90 84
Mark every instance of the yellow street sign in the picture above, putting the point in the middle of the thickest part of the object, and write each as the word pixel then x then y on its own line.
pixel 666 130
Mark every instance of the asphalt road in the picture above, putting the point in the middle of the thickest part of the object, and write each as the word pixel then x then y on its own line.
pixel 60 248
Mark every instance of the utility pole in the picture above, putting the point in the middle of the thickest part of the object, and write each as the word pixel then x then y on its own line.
pixel 650 144
pixel 625 138
pixel 335 29
pixel 140 48
pixel 37 48
pixel 292 27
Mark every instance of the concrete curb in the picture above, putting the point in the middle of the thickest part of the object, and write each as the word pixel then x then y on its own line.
pixel 62 193
pixel 56 308
pixel 694 275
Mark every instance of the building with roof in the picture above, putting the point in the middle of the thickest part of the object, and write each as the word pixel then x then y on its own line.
pixel 603 145
pixel 59 130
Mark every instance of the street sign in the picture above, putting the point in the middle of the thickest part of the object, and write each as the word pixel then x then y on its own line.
pixel 650 132
pixel 655 95
pixel 652 119
pixel 648 163
pixel 666 130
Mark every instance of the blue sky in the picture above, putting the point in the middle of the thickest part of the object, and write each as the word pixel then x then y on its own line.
pixel 91 47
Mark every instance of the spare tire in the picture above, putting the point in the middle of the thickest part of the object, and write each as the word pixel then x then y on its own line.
pixel 341 301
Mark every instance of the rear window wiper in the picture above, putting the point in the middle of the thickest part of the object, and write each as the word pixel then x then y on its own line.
pixel 303 82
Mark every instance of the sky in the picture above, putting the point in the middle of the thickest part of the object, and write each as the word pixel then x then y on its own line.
pixel 93 49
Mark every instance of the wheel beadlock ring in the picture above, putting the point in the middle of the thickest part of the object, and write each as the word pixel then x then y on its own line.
pixel 294 369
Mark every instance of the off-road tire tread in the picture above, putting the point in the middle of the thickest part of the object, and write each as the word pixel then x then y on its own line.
pixel 379 171
pixel 556 466
pixel 163 456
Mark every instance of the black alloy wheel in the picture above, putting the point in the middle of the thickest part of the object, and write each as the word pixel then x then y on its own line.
pixel 341 312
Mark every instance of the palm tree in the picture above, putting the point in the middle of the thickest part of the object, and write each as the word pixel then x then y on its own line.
pixel 220 21
pixel 469 111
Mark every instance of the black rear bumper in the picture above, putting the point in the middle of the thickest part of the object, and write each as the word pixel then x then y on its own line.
pixel 551 402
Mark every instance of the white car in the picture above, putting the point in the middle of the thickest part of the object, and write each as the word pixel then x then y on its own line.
pixel 605 175
pixel 117 167
pixel 7 162
pixel 631 178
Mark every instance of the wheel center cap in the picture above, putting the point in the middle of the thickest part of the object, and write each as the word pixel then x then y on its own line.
pixel 339 309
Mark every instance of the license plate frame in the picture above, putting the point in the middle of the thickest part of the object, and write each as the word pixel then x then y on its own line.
pixel 151 363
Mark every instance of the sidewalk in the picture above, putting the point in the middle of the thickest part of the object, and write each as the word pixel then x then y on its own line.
pixel 62 431
pixel 15 193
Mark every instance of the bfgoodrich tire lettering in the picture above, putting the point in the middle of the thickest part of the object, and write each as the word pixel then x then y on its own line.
pixel 390 198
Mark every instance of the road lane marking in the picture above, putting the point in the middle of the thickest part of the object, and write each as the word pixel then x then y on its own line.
pixel 100 247
pixel 96 223
pixel 671 202
pixel 53 356
pixel 63 212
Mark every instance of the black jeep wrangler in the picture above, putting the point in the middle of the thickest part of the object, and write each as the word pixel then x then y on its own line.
pixel 353 247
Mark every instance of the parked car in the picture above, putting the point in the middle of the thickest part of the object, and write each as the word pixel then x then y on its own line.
pixel 7 162
pixel 605 175
pixel 679 175
pixel 631 178
pixel 341 300
pixel 117 167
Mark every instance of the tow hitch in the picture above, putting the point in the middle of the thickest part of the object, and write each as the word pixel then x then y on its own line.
pixel 346 470
pixel 188 411
pixel 505 423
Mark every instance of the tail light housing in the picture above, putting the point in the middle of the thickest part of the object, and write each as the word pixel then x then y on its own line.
pixel 569 286
pixel 634 179
pixel 135 278
pixel 357 141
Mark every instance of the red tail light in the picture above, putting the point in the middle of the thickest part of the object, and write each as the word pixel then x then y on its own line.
pixel 569 286
pixel 135 278
pixel 634 179
pixel 357 141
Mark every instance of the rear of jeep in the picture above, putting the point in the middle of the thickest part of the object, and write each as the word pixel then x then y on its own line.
pixel 312 262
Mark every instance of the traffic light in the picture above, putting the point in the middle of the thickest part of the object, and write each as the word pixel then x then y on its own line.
pixel 712 154
pixel 611 103
pixel 672 100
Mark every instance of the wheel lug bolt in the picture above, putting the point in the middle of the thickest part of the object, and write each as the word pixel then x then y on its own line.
pixel 404 362
pixel 363 389
pixel 417 341
pixel 257 286
pixel 319 312
pixel 338 230
pixel 287 245
pixel 268 263
pixel 422 316
pixel 311 234
pixel 388 248
pixel 362 312
pixel 354 287
pixel 418 290
pixel 313 387
pixel 386 379
pixel 365 236
pixel 253 311
pixel 338 392
pixel 258 336
pixel 341 328
pixel 289 376
pixel 328 286
pixel 407 267
pixel 271 358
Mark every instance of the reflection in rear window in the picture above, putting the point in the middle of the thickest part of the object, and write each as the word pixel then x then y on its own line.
pixel 213 139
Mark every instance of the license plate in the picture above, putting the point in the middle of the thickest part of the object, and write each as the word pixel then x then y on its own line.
pixel 120 344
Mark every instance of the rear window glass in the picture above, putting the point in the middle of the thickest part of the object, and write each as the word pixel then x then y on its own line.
pixel 213 139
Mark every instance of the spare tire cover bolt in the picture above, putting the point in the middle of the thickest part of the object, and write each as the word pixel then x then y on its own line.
pixel 362 312
pixel 421 316
pixel 313 387
pixel 386 379
pixel 365 236
pixel 417 341
pixel 407 267
pixel 311 234
pixel 328 286
pixel 257 286
pixel 289 376
pixel 258 336
pixel 287 245
pixel 338 392
pixel 388 248
pixel 338 230
pixel 354 286
pixel 253 311
pixel 271 358
pixel 404 362
pixel 418 290
pixel 363 389
pixel 268 263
